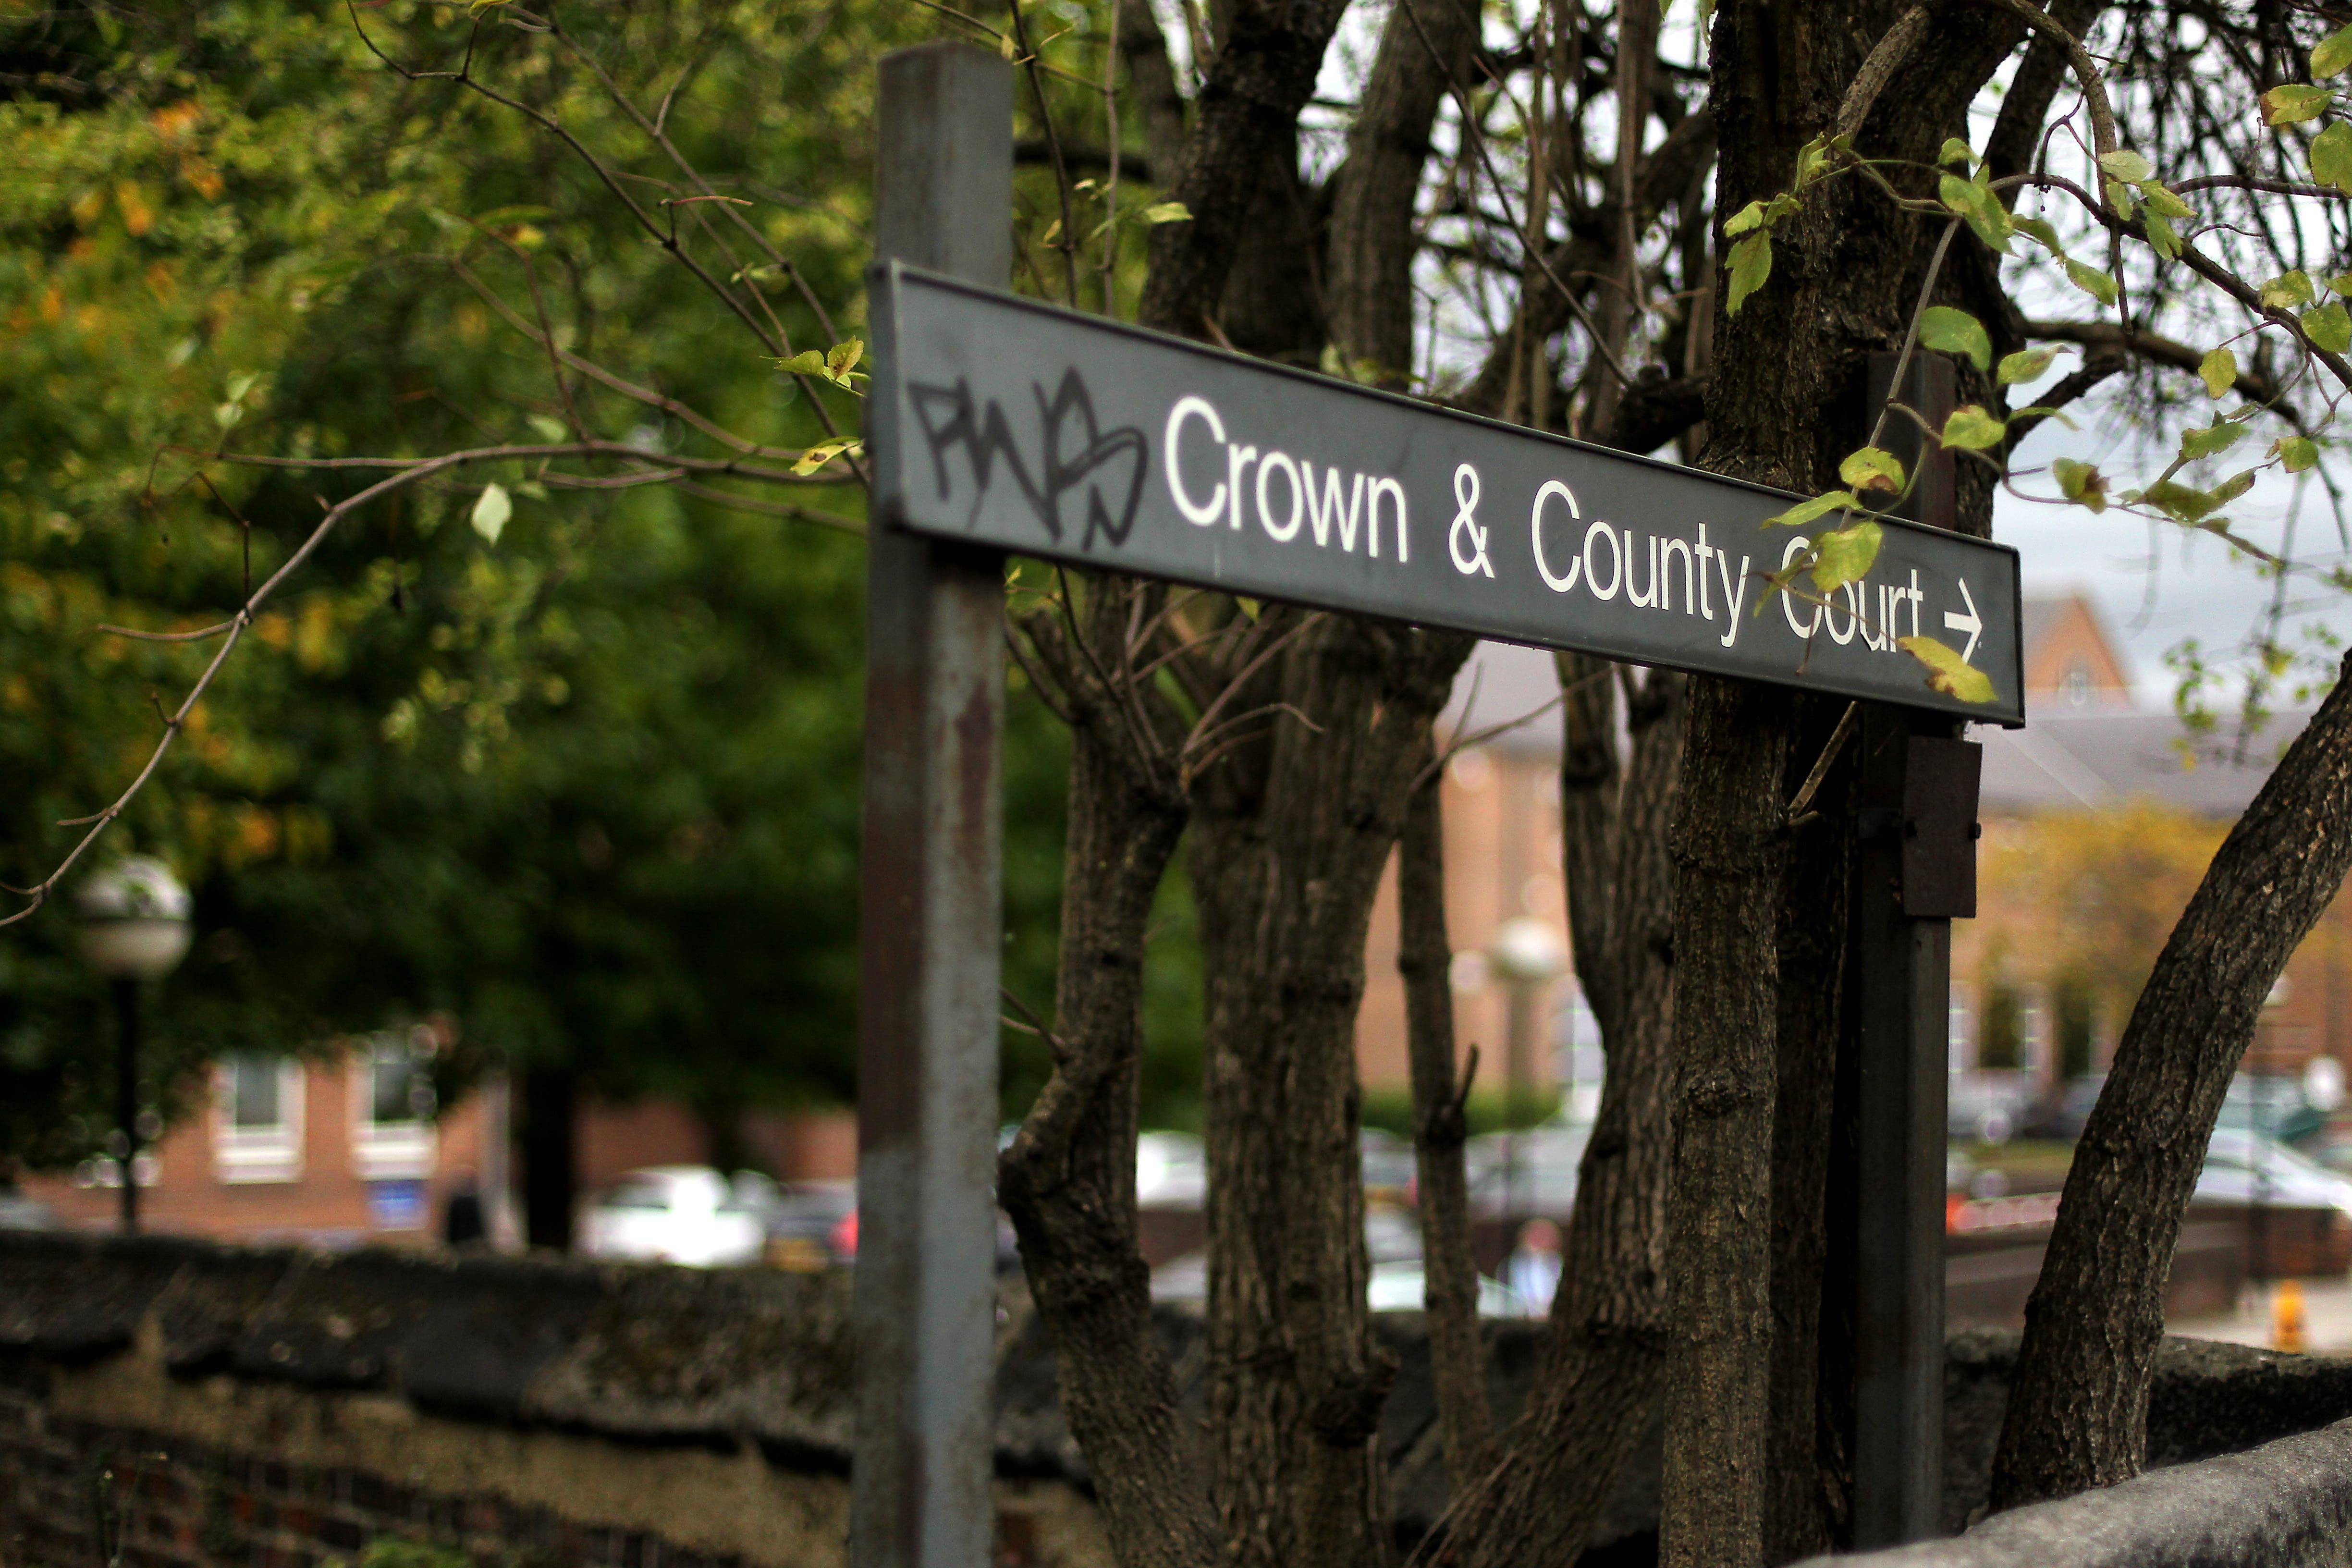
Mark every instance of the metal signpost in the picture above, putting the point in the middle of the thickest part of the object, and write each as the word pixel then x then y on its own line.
pixel 998 425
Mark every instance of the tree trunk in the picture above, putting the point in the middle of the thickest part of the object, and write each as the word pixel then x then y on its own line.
pixel 1457 1358
pixel 1068 1178
pixel 2077 1411
pixel 1290 833
pixel 1268 53
pixel 1786 402
pixel 1727 854
pixel 1604 1365
pixel 1809 1474
pixel 1373 238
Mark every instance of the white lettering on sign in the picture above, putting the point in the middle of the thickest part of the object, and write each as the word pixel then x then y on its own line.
pixel 1206 512
pixel 1468 542
pixel 1556 582
pixel 1290 497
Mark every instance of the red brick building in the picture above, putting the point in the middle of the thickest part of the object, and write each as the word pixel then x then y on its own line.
pixel 2089 751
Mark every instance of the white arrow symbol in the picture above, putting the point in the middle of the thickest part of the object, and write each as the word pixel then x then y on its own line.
pixel 1971 623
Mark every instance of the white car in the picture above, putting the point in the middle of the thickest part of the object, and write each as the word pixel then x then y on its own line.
pixel 2242 1167
pixel 675 1213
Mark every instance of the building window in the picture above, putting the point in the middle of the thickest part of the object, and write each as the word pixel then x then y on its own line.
pixel 392 1121
pixel 258 1124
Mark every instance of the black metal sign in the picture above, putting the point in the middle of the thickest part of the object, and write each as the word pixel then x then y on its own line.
pixel 1048 433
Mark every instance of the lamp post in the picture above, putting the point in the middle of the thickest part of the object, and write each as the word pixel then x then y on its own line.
pixel 134 929
pixel 1529 955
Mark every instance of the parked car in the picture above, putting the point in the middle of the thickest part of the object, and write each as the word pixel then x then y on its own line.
pixel 2273 1104
pixel 1986 1107
pixel 1538 1162
pixel 2062 1115
pixel 803 1225
pixel 1171 1171
pixel 18 1211
pixel 2242 1167
pixel 1388 1167
pixel 1394 1284
pixel 677 1214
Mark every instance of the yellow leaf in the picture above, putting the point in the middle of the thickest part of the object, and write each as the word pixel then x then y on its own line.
pixel 1947 672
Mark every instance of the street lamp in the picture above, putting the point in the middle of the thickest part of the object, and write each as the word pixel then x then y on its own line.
pixel 134 929
pixel 1527 954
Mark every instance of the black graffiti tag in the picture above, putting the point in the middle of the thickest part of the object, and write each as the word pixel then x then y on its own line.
pixel 1075 451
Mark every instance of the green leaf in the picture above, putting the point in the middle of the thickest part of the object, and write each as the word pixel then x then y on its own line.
pixel 2288 288
pixel 1747 217
pixel 1955 151
pixel 2183 502
pixel 1972 429
pixel 1846 555
pixel 2081 483
pixel 1167 212
pixel 2219 372
pixel 491 511
pixel 2160 235
pixel 2045 411
pixel 825 452
pixel 1956 332
pixel 842 358
pixel 1813 161
pixel 1873 469
pixel 2329 327
pixel 2043 231
pixel 2233 487
pixel 1978 205
pixel 808 362
pixel 2026 365
pixel 2163 203
pixel 1804 511
pixel 2296 453
pixel 2331 156
pixel 2126 166
pixel 2341 284
pixel 2214 438
pixel 2291 103
pixel 1947 672
pixel 1750 265
pixel 550 429
pixel 2090 281
pixel 2332 54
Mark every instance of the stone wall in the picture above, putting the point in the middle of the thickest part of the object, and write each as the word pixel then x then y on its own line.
pixel 192 1404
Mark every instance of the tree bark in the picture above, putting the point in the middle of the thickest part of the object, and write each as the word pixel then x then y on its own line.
pixel 1809 1474
pixel 2077 1413
pixel 1151 85
pixel 1457 1357
pixel 1068 1178
pixel 1373 239
pixel 1727 854
pixel 1604 1363
pixel 1785 403
pixel 1268 52
pixel 1290 833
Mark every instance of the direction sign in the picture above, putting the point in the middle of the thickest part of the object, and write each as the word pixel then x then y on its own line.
pixel 1048 433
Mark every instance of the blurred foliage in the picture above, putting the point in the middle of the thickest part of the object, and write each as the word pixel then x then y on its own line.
pixel 2090 898
pixel 585 782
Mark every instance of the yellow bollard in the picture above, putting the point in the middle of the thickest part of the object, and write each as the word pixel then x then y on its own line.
pixel 2286 1317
